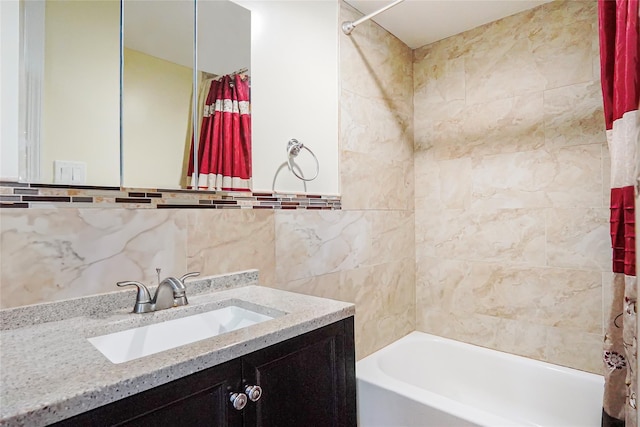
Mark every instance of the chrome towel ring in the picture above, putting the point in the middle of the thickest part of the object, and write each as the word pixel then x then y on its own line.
pixel 293 149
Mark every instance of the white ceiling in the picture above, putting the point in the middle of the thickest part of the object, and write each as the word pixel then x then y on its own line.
pixel 420 22
pixel 164 29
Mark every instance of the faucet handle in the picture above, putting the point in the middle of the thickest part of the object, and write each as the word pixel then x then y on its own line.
pixel 143 299
pixel 186 276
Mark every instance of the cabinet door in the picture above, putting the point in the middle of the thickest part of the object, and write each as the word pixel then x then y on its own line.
pixel 306 381
pixel 200 399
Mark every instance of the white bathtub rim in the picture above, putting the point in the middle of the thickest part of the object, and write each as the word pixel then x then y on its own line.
pixel 417 336
pixel 471 414
pixel 444 404
pixel 367 370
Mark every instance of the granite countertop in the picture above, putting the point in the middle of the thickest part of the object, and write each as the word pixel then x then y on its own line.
pixel 49 371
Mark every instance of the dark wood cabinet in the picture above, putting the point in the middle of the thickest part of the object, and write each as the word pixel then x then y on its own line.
pixel 308 380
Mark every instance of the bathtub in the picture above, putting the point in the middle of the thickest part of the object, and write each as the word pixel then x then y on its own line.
pixel 428 381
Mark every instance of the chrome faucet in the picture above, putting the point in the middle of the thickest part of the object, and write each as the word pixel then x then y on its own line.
pixel 171 292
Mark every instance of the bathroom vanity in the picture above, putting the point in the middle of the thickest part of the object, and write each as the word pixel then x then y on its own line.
pixel 298 368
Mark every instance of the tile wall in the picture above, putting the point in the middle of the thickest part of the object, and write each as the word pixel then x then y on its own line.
pixel 511 169
pixel 363 253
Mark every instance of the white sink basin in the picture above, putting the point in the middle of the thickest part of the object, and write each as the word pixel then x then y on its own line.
pixel 134 343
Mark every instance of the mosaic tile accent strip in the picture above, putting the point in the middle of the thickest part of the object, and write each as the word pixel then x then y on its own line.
pixel 23 195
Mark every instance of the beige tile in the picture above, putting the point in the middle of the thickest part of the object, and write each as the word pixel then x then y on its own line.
pixel 427 176
pixel 522 338
pixel 576 350
pixel 502 70
pixel 569 299
pixel 563 177
pixel 371 183
pixel 473 329
pixel 502 126
pixel 566 12
pixel 595 51
pixel 438 81
pixel 505 31
pixel 223 241
pixel 333 286
pixel 430 227
pixel 373 63
pixel 455 183
pixel 579 238
pixel 516 236
pixel 429 120
pixel 385 304
pixel 320 242
pixel 573 115
pixel 55 254
pixel 563 48
pixel 392 236
pixel 377 127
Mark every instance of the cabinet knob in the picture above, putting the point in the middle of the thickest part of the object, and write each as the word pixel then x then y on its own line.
pixel 254 392
pixel 238 400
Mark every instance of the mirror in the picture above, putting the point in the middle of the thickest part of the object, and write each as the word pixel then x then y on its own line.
pixel 157 84
pixel 74 139
pixel 158 81
pixel 71 76
pixel 294 92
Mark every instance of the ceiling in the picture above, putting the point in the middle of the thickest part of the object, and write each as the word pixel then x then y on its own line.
pixel 164 29
pixel 420 22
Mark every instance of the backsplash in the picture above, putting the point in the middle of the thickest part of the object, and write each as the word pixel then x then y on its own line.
pixel 23 195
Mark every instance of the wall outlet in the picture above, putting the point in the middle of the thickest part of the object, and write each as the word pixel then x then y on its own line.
pixel 67 172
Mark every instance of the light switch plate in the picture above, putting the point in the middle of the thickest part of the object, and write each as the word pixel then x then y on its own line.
pixel 68 172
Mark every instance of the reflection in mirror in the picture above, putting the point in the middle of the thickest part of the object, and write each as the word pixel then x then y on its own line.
pixel 157 87
pixel 158 83
pixel 220 155
pixel 70 84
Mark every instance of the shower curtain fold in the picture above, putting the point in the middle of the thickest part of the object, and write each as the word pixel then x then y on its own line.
pixel 620 79
pixel 224 147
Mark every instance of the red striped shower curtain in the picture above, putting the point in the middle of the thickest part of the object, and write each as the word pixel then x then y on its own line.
pixel 620 75
pixel 224 148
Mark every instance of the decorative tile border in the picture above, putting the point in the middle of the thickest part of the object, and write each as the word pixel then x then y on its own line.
pixel 24 195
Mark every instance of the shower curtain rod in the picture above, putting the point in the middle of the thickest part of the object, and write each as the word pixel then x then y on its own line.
pixel 349 26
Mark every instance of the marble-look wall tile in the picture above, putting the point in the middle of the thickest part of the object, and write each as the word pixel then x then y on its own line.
pixel 436 84
pixel 502 70
pixel 319 243
pixel 564 177
pixel 331 285
pixel 379 127
pixel 326 242
pixel 574 115
pixel 570 299
pixel 455 183
pixel 510 164
pixel 563 46
pixel 54 254
pixel 373 63
pixel 221 241
pixel 385 304
pixel 502 126
pixel 575 350
pixel 579 238
pixel 392 236
pixel 384 295
pixel 515 236
pixel 368 182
